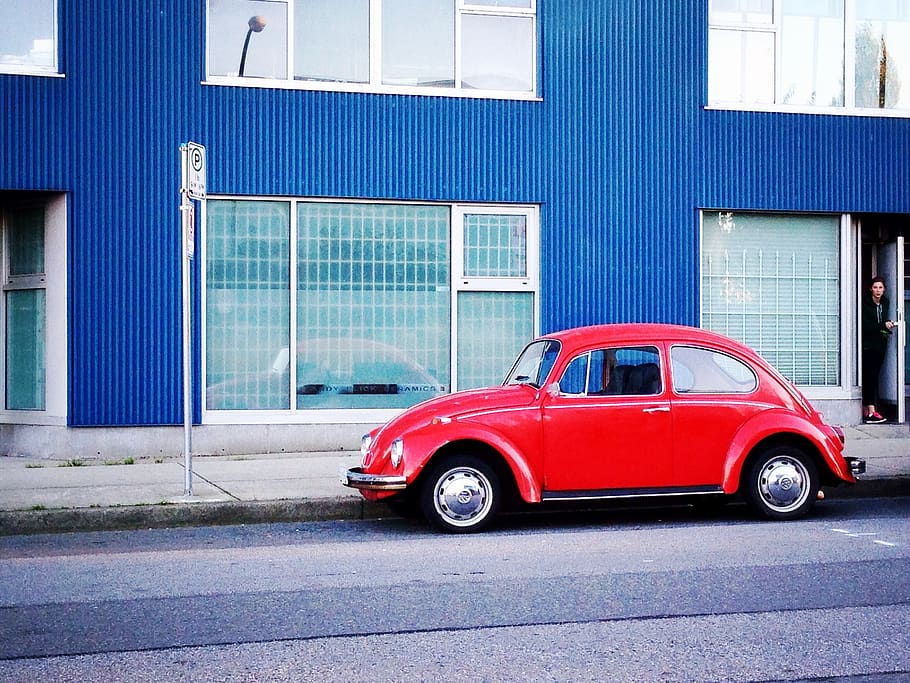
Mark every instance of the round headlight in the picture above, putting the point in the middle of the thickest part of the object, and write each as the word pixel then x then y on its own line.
pixel 365 442
pixel 396 451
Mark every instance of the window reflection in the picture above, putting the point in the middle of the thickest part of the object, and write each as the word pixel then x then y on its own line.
pixel 28 36
pixel 267 49
pixel 418 43
pixel 497 53
pixel 812 64
pixel 882 54
pixel 332 40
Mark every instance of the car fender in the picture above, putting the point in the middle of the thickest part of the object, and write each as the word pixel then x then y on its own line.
pixel 775 422
pixel 429 441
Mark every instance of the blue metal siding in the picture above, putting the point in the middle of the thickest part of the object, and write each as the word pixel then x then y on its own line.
pixel 619 152
pixel 805 162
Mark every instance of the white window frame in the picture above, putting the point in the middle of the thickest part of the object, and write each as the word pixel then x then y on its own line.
pixel 849 107
pixel 462 8
pixel 294 415
pixel 33 70
pixel 530 282
pixel 54 282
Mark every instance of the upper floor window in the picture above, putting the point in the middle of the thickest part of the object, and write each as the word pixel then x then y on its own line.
pixel 28 37
pixel 478 47
pixel 792 53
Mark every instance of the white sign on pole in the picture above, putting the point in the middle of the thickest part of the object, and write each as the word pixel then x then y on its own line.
pixel 194 170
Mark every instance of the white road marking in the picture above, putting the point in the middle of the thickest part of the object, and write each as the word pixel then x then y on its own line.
pixel 858 534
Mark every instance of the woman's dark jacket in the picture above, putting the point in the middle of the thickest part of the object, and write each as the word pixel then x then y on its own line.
pixel 875 334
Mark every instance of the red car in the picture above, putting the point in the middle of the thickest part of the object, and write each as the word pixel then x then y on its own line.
pixel 606 412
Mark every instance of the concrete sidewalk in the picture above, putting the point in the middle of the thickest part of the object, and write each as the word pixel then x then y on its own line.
pixel 52 496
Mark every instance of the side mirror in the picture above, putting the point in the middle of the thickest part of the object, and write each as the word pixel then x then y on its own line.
pixel 553 390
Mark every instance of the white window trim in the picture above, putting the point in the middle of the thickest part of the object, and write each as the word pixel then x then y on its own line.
pixel 375 86
pixel 57 380
pixel 294 415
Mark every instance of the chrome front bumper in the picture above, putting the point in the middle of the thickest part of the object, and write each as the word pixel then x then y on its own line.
pixel 356 478
pixel 857 466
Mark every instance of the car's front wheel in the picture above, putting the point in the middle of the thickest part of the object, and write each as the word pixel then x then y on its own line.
pixel 461 494
pixel 782 483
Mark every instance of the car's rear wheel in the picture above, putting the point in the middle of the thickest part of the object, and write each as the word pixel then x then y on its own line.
pixel 782 483
pixel 461 494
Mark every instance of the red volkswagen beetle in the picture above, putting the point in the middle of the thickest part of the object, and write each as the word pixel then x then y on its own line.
pixel 606 412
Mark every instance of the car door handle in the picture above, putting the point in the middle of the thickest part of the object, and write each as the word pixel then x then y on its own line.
pixel 660 409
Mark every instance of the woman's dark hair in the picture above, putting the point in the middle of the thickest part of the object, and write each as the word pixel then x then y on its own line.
pixel 877 278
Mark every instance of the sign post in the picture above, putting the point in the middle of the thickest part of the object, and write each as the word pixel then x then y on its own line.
pixel 192 186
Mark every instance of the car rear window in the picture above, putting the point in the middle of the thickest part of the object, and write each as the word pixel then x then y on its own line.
pixel 705 371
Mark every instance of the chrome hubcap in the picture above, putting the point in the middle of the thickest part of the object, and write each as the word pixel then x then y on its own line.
pixel 463 496
pixel 784 483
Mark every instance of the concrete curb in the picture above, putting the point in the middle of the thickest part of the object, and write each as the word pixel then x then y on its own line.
pixel 117 518
pixel 127 517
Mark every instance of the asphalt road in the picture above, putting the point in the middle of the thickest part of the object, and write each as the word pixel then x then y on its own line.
pixel 644 594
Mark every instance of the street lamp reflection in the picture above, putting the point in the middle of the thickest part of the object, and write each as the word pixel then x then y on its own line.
pixel 256 24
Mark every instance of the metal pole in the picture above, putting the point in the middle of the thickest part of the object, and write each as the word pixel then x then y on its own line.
pixel 186 209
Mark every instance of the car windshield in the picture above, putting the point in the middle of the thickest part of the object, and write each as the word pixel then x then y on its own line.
pixel 534 363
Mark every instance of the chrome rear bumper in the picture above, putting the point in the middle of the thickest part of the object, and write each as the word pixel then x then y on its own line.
pixel 857 466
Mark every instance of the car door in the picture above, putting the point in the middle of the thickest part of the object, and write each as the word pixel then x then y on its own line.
pixel 608 426
pixel 713 395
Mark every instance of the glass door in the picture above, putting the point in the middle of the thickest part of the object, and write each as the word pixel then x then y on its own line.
pixel 891 268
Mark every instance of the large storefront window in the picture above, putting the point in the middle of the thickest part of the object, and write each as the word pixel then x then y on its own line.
pixel 364 294
pixel 773 282
pixel 791 53
pixel 377 45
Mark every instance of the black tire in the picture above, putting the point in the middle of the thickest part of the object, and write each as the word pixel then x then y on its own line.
pixel 460 494
pixel 782 483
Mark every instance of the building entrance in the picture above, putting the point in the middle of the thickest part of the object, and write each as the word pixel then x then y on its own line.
pixel 884 255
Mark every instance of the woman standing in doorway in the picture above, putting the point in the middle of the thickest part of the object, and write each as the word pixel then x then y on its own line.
pixel 876 330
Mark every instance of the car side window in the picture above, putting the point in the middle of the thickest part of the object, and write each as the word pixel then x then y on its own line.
pixel 623 371
pixel 705 371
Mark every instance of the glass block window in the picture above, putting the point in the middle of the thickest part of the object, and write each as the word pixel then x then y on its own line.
pixel 25 308
pixel 492 328
pixel 773 282
pixel 495 245
pixel 247 305
pixel 373 305
pixel 331 305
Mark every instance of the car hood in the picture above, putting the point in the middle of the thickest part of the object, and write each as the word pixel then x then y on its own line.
pixel 464 404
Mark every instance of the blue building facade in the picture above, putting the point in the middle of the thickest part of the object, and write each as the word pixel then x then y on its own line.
pixel 415 233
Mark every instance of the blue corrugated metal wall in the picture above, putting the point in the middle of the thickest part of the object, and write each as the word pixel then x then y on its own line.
pixel 620 154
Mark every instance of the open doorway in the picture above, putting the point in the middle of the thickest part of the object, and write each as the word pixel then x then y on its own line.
pixel 883 254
